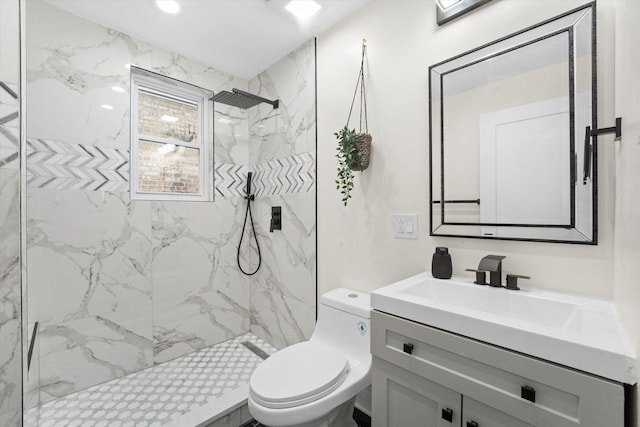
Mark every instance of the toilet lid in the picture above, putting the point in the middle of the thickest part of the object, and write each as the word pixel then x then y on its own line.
pixel 297 375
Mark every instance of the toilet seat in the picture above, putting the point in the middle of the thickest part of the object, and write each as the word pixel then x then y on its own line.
pixel 299 374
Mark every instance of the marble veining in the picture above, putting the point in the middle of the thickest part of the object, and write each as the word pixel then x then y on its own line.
pixel 70 58
pixel 88 254
pixel 10 313
pixel 208 305
pixel 10 261
pixel 81 353
pixel 283 296
pixel 283 292
pixel 291 128
pixel 10 225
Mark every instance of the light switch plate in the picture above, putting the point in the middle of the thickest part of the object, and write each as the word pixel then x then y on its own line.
pixel 405 226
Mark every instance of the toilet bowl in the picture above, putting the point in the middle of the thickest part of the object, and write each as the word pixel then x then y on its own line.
pixel 314 383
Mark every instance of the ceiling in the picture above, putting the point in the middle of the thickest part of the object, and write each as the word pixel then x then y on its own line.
pixel 239 37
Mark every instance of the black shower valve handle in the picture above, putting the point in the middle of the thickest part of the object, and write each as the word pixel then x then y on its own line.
pixel 276 218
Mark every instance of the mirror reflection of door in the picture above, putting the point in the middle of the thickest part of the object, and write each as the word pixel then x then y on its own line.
pixel 525 174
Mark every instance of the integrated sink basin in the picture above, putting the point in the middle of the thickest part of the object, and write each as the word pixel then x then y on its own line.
pixel 581 332
pixel 512 306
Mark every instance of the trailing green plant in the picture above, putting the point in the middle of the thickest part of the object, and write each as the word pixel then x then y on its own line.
pixel 354 148
pixel 348 155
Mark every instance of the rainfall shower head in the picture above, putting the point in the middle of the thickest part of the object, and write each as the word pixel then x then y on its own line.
pixel 241 99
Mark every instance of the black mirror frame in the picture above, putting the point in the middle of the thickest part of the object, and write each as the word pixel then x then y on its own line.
pixel 593 146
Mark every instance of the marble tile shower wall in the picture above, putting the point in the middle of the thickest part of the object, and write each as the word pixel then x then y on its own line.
pixel 10 303
pixel 283 141
pixel 118 285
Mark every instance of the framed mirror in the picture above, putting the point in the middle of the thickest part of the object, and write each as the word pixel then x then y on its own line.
pixel 510 153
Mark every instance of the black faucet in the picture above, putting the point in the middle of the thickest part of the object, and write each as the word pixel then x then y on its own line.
pixel 493 265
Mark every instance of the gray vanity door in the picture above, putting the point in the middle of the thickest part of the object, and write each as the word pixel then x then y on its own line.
pixel 486 416
pixel 418 370
pixel 403 399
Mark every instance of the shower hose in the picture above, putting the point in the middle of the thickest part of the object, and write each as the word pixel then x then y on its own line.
pixel 255 236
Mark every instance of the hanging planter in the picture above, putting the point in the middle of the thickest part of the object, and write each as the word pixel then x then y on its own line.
pixel 354 148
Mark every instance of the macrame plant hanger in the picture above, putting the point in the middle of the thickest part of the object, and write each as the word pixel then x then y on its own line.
pixel 363 140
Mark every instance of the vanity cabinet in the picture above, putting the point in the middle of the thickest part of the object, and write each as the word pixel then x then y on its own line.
pixel 423 376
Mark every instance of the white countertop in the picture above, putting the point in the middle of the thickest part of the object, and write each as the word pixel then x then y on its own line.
pixel 580 332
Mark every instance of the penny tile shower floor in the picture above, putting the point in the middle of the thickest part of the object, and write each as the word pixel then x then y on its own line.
pixel 157 395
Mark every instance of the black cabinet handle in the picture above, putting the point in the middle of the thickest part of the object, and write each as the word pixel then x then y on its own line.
pixel 407 348
pixel 447 414
pixel 472 424
pixel 528 393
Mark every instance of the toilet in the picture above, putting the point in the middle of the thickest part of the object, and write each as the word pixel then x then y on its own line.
pixel 314 383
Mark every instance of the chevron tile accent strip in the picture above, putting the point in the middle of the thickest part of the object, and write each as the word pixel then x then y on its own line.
pixel 64 166
pixel 9 126
pixel 230 180
pixel 292 174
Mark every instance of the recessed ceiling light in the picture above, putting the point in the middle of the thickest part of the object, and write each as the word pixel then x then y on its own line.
pixel 107 106
pixel 303 9
pixel 117 89
pixel 168 6
pixel 446 4
pixel 168 119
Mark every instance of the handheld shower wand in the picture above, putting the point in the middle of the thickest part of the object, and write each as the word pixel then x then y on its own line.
pixel 249 198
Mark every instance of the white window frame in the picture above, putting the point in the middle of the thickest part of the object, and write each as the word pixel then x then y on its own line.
pixel 142 81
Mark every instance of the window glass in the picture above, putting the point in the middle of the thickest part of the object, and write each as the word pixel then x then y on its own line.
pixel 166 117
pixel 168 168
pixel 170 139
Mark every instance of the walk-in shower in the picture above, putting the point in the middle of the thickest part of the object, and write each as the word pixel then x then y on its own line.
pixel 141 310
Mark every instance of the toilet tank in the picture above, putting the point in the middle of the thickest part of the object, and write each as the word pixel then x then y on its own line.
pixel 344 322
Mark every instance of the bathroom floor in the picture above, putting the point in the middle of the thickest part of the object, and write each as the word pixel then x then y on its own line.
pixel 161 394
pixel 361 419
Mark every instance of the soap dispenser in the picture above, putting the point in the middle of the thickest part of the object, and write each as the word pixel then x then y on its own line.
pixel 441 264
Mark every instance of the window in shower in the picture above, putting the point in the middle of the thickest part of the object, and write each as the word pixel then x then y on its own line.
pixel 170 157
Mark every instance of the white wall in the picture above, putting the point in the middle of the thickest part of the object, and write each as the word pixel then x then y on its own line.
pixel 627 225
pixel 356 244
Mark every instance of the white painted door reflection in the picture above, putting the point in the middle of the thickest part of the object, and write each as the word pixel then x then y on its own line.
pixel 525 166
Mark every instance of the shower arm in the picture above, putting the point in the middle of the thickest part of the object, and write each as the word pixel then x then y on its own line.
pixel 275 103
